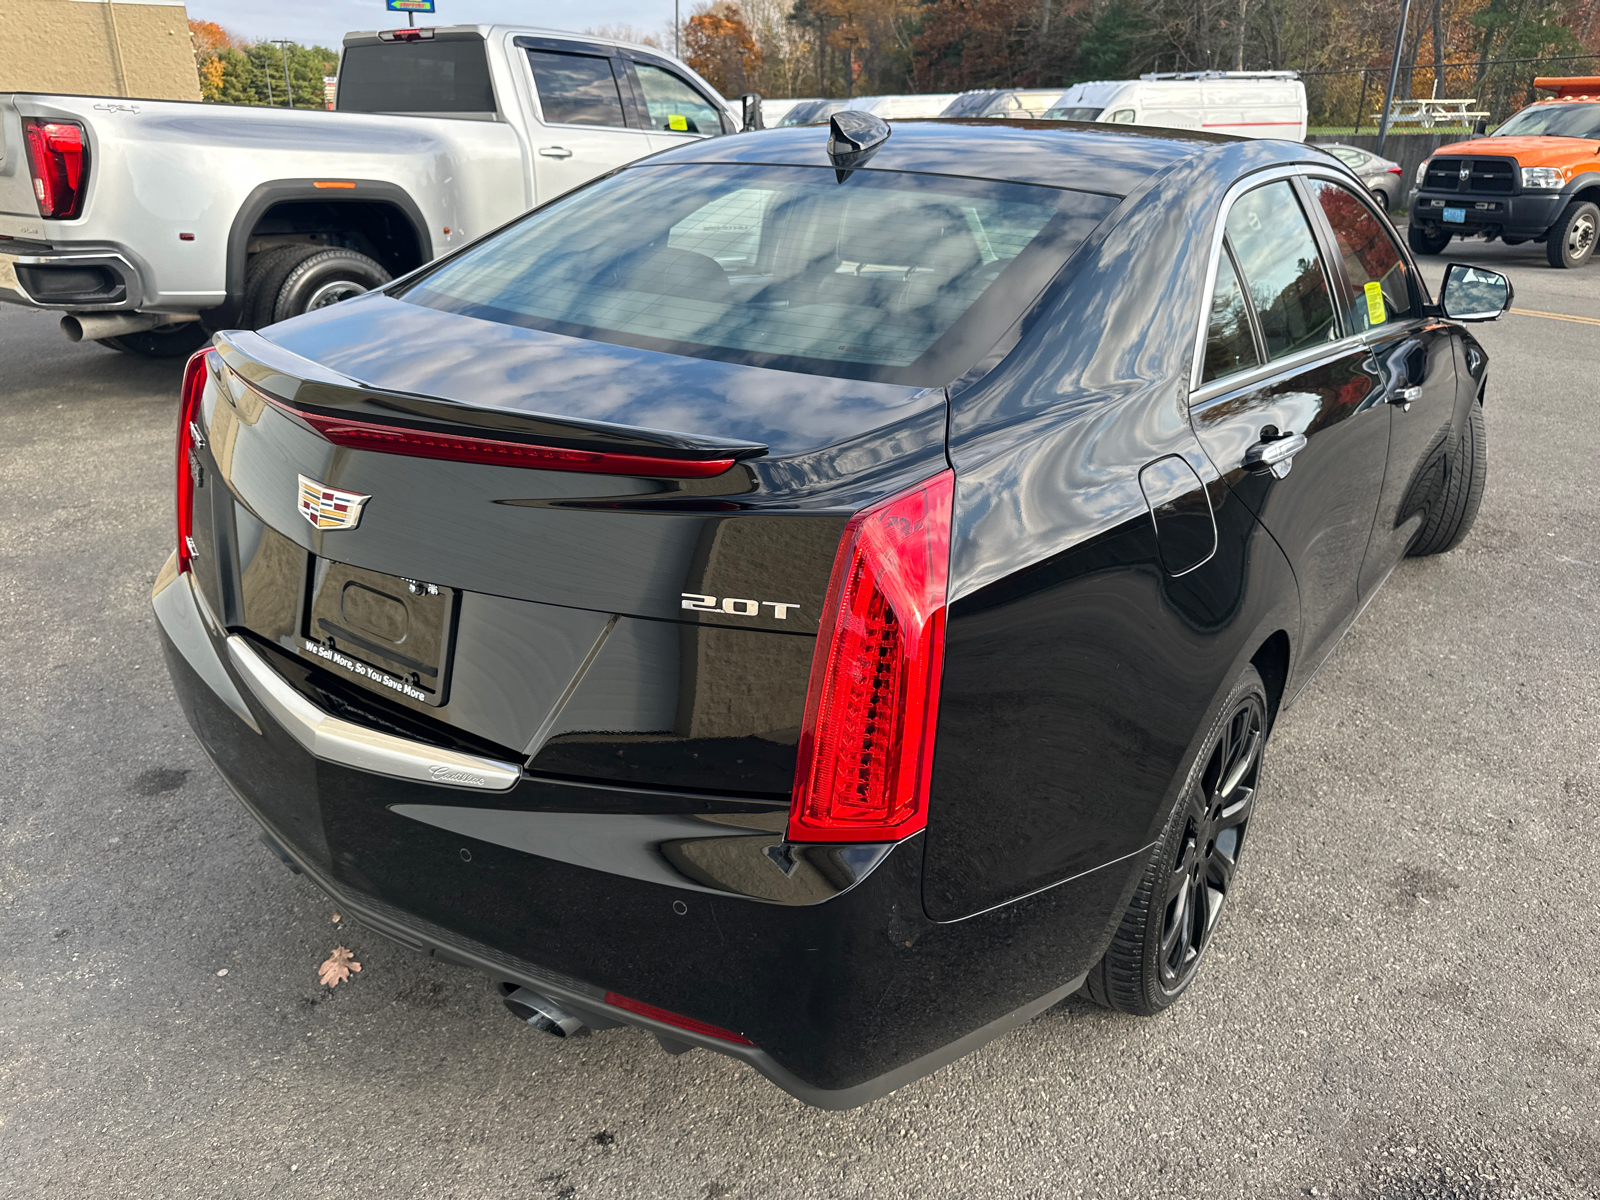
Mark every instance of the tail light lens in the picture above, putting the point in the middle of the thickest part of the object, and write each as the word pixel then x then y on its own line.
pixel 1395 171
pixel 672 1018
pixel 194 387
pixel 58 156
pixel 866 745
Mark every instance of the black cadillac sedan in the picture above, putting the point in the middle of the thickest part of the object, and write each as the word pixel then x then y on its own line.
pixel 821 596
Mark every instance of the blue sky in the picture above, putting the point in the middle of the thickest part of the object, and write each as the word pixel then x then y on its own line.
pixel 324 22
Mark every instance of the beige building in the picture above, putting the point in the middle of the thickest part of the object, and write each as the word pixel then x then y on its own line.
pixel 135 48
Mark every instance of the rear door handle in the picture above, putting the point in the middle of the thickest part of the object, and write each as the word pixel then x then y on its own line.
pixel 556 152
pixel 1274 454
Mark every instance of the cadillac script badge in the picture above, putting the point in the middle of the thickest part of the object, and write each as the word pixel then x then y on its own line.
pixel 329 508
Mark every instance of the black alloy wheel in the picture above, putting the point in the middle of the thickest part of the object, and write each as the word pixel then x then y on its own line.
pixel 1200 878
pixel 1170 923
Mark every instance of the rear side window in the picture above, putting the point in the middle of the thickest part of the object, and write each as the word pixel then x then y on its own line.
pixel 446 76
pixel 1230 343
pixel 576 89
pixel 673 104
pixel 1283 273
pixel 1371 258
pixel 897 277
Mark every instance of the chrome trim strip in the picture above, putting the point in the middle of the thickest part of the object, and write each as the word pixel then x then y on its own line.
pixel 340 741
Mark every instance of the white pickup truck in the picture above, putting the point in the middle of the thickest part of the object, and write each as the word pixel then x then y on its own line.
pixel 148 223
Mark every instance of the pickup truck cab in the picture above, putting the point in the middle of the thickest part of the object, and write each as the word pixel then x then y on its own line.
pixel 148 223
pixel 1536 179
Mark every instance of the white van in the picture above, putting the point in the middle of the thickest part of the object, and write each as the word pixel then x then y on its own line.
pixel 902 108
pixel 1016 104
pixel 1258 104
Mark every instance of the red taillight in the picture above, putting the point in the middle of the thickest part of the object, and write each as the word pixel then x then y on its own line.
pixel 672 1018
pixel 420 443
pixel 866 744
pixel 194 386
pixel 58 156
pixel 1395 171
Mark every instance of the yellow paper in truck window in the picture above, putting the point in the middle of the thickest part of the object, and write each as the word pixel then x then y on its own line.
pixel 678 123
pixel 1377 314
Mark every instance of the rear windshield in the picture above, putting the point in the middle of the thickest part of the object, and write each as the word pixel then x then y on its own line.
pixel 1575 120
pixel 446 76
pixel 969 104
pixel 888 276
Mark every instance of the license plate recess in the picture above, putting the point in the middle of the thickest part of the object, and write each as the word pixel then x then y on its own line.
pixel 392 633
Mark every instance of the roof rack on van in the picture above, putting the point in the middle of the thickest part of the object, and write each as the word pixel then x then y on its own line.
pixel 1221 75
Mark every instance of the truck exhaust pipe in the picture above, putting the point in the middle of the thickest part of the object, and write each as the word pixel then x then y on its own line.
pixel 91 327
pixel 542 1013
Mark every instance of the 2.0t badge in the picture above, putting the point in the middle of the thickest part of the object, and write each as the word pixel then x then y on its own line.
pixel 329 508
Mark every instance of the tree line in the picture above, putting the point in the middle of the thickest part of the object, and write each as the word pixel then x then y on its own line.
pixel 233 70
pixel 872 47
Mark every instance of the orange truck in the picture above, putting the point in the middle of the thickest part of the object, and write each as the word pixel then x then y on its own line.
pixel 1536 179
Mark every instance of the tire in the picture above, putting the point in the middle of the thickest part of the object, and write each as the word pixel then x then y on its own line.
pixel 1382 197
pixel 1163 938
pixel 173 341
pixel 1423 241
pixel 323 278
pixel 1454 505
pixel 1572 238
pixel 264 277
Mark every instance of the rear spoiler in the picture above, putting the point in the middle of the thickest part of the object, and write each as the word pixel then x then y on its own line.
pixel 1570 87
pixel 314 389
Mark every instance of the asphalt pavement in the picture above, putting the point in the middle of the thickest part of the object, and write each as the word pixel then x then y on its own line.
pixel 1402 1003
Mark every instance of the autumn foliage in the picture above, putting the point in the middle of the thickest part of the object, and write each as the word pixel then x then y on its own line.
pixel 718 44
pixel 234 70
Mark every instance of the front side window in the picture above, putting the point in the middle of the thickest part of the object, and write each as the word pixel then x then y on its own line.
pixel 1123 116
pixel 673 104
pixel 1282 269
pixel 1372 259
pixel 1350 158
pixel 1230 344
pixel 898 277
pixel 576 89
pixel 1071 113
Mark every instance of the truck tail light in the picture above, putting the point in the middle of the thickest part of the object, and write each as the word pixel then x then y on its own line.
pixel 866 741
pixel 58 157
pixel 194 387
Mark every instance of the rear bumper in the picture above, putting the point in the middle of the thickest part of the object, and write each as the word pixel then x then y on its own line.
pixel 89 280
pixel 845 993
pixel 1525 217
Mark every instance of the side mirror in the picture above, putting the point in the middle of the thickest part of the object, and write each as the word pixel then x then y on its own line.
pixel 1473 293
pixel 1480 127
pixel 752 112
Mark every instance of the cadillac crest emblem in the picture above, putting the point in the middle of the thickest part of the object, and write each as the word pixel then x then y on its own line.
pixel 329 508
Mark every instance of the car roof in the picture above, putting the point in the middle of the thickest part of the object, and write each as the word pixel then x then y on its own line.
pixel 1066 154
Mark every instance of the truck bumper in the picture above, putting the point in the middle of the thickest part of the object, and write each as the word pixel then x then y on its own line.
pixel 1523 218
pixel 89 280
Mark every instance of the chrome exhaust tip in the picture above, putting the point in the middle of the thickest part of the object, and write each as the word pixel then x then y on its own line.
pixel 542 1013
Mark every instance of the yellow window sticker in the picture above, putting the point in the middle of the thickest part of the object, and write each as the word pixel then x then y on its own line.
pixel 678 123
pixel 1377 314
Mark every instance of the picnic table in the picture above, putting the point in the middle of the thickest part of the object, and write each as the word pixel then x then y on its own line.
pixel 1429 113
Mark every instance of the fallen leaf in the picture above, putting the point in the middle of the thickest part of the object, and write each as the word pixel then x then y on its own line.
pixel 335 918
pixel 338 967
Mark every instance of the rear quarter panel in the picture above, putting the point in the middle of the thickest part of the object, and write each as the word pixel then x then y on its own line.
pixel 1079 672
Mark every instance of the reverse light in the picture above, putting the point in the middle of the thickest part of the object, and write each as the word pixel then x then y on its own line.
pixel 672 1018
pixel 1541 177
pixel 58 158
pixel 195 372
pixel 866 741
